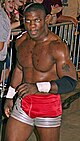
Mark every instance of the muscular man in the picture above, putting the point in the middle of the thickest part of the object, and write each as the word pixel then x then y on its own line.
pixel 43 72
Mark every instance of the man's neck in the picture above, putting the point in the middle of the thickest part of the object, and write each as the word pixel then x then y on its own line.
pixel 43 38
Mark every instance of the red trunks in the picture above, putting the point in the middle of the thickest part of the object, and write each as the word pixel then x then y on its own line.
pixel 42 105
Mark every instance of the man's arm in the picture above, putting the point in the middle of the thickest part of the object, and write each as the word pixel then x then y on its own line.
pixel 62 18
pixel 63 61
pixel 65 70
pixel 15 81
pixel 17 76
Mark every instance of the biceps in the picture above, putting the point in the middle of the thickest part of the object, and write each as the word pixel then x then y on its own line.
pixel 16 77
pixel 66 68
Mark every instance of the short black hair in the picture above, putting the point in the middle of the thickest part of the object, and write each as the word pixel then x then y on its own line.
pixel 34 7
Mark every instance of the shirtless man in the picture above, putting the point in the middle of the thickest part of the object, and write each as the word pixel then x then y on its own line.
pixel 43 72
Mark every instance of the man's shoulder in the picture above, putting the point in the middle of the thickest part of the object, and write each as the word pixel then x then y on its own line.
pixel 55 39
pixel 56 44
pixel 21 39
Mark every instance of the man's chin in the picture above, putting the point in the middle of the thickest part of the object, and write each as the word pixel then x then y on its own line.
pixel 33 36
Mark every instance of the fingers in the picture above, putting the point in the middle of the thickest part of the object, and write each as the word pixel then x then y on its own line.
pixel 8 107
pixel 26 89
pixel 23 92
pixel 56 9
pixel 48 18
pixel 22 89
pixel 7 112
pixel 21 86
pixel 75 23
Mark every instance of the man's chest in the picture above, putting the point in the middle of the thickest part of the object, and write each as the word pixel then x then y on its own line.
pixel 37 57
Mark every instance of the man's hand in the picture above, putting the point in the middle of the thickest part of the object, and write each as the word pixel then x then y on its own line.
pixel 52 18
pixel 8 106
pixel 26 89
pixel 55 9
pixel 74 21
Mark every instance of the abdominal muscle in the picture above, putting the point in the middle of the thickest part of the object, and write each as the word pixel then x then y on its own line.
pixel 33 76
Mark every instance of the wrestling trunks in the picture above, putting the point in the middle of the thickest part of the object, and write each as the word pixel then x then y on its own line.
pixel 42 105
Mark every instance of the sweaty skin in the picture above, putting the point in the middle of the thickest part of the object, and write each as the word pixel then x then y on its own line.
pixel 41 57
pixel 47 57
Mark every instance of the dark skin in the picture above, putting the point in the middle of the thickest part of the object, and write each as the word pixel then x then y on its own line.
pixel 41 57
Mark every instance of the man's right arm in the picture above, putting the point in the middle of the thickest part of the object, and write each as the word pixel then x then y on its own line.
pixel 17 76
pixel 15 81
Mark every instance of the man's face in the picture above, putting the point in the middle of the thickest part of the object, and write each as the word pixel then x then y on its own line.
pixel 9 5
pixel 35 23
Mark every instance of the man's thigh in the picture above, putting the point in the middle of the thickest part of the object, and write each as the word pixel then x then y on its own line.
pixel 17 130
pixel 49 133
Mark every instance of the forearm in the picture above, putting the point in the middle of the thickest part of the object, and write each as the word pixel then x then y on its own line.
pixel 67 19
pixel 63 85
pixel 62 18
pixel 15 81
pixel 60 86
pixel 16 78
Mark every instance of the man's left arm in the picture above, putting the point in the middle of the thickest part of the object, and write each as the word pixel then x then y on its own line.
pixel 63 18
pixel 66 72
